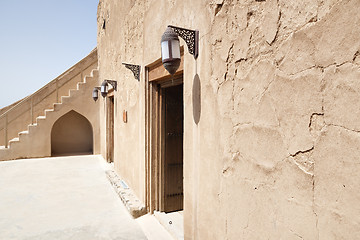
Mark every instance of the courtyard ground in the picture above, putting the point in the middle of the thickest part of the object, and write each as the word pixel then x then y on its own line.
pixel 65 198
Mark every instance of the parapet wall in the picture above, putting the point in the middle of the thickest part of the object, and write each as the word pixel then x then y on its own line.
pixel 17 118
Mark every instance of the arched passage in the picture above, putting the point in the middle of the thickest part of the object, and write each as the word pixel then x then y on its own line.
pixel 71 134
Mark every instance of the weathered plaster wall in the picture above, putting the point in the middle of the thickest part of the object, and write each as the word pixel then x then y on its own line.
pixel 121 41
pixel 275 154
pixel 292 116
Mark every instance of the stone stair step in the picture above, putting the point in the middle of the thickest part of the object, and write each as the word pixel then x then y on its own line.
pixel 72 92
pixel 23 132
pixel 14 140
pixel 57 105
pixel 48 111
pixel 79 84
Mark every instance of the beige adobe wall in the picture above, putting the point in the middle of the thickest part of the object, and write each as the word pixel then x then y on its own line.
pixel 20 116
pixel 276 152
pixel 115 47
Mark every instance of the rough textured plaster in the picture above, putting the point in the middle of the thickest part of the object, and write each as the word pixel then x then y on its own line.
pixel 278 132
pixel 312 88
pixel 336 159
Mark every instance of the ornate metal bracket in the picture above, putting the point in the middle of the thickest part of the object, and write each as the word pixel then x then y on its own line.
pixel 135 69
pixel 191 37
pixel 112 83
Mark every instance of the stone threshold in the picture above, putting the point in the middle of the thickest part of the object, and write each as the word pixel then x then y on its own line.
pixel 173 222
pixel 135 207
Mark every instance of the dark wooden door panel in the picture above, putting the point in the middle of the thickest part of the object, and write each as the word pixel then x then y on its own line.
pixel 174 125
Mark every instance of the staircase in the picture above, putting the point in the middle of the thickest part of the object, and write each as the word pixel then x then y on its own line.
pixel 35 141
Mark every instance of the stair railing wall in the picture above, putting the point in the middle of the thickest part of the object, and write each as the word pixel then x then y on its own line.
pixel 24 113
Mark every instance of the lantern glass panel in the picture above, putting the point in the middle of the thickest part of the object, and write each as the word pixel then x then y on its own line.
pixel 95 94
pixel 104 88
pixel 175 46
pixel 165 50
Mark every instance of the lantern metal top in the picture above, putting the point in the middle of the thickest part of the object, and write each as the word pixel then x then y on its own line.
pixel 169 35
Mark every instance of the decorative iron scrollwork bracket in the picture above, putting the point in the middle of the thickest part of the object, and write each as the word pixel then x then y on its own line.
pixel 112 83
pixel 191 37
pixel 135 69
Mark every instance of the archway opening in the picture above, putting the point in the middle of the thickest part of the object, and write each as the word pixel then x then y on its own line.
pixel 71 134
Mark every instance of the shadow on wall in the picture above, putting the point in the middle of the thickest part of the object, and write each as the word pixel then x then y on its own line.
pixel 196 98
pixel 71 134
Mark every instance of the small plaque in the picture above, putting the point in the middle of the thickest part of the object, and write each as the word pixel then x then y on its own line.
pixel 125 116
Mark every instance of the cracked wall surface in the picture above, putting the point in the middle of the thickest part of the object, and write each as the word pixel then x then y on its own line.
pixel 275 154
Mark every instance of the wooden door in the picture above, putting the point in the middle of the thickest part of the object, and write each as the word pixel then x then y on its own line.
pixel 110 129
pixel 173 125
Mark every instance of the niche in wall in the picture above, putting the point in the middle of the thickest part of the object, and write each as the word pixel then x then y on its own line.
pixel 71 134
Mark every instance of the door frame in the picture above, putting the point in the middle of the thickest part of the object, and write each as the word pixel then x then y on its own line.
pixel 156 78
pixel 110 121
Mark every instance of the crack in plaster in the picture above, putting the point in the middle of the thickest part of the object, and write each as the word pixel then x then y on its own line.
pixel 218 8
pixel 312 116
pixel 339 126
pixel 278 24
pixel 322 68
pixel 313 206
pixel 228 60
pixel 355 55
pixel 296 234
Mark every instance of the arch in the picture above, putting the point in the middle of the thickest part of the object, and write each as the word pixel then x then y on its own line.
pixel 71 134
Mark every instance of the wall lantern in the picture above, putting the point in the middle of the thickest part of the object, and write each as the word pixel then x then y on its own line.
pixel 95 93
pixel 135 69
pixel 105 86
pixel 170 46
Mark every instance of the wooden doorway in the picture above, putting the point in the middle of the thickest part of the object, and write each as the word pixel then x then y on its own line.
pixel 164 165
pixel 110 129
pixel 164 126
pixel 172 125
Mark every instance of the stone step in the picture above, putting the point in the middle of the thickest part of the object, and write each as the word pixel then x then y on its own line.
pixel 14 140
pixel 72 91
pixel 57 106
pixel 40 118
pixel 48 111
pixel 23 132
pixel 79 84
pixel 64 99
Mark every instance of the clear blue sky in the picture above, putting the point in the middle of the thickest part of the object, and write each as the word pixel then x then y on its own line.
pixel 39 40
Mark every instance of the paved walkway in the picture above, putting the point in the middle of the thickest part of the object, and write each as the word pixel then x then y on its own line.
pixel 61 198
